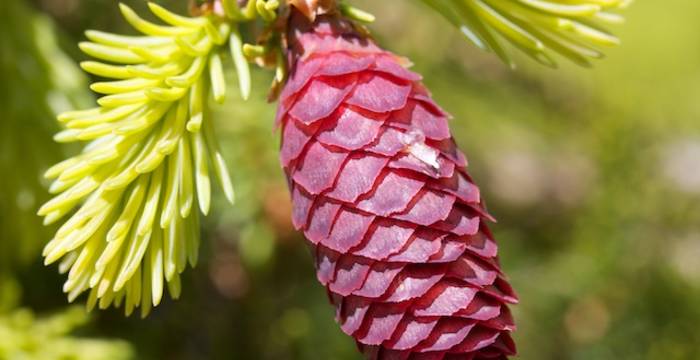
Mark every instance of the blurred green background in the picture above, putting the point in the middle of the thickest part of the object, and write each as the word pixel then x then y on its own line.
pixel 594 175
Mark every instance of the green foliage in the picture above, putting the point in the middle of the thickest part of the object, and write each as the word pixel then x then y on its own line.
pixel 39 81
pixel 25 337
pixel 150 148
pixel 570 28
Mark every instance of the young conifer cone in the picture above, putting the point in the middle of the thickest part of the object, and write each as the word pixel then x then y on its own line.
pixel 380 190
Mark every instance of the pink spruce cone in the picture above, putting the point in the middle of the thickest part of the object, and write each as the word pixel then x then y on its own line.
pixel 381 192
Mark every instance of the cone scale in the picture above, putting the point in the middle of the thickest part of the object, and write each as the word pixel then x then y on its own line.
pixel 379 189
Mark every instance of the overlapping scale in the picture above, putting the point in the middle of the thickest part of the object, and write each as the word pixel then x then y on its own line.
pixel 380 190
